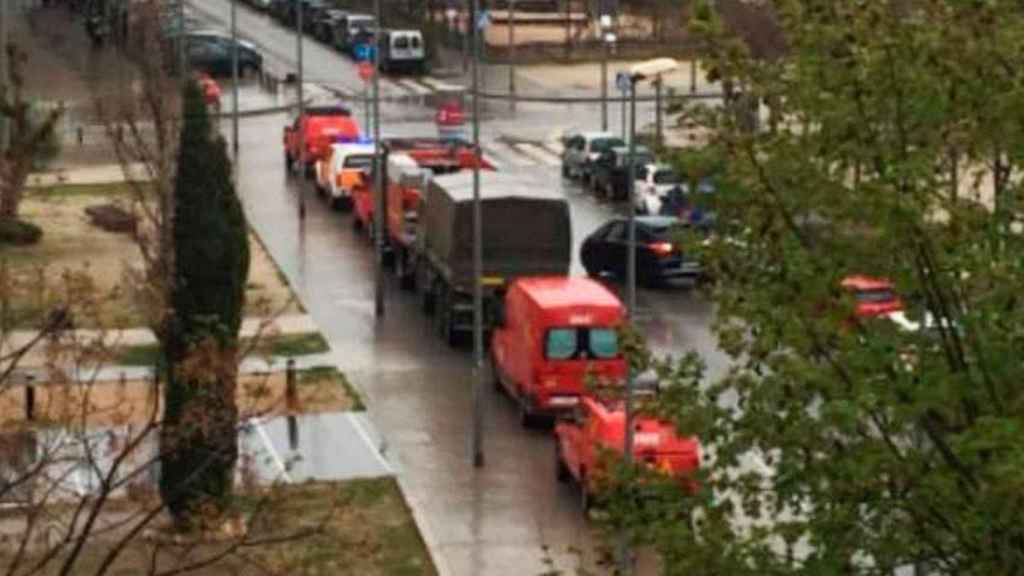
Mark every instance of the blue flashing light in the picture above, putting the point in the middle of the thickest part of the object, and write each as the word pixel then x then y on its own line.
pixel 348 139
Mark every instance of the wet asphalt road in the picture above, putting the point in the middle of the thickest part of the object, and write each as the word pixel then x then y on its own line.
pixel 490 521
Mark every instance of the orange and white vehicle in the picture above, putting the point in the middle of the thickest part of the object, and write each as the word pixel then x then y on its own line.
pixel 597 428
pixel 405 182
pixel 344 167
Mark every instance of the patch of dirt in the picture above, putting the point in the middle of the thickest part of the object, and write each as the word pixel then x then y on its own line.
pixel 109 404
pixel 71 243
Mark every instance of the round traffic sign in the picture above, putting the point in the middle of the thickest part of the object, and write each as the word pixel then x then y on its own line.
pixel 366 70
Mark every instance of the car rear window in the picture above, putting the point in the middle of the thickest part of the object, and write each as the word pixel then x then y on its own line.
pixel 359 161
pixel 605 144
pixel 874 296
pixel 415 42
pixel 402 42
pixel 581 344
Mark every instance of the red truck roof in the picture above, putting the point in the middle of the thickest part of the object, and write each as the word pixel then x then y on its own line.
pixel 568 301
pixel 437 153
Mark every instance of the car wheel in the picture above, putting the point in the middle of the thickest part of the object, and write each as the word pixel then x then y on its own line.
pixel 561 470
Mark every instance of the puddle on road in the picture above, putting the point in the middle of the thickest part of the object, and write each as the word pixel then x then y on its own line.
pixel 329 446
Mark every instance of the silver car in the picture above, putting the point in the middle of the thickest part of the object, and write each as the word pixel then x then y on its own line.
pixel 581 149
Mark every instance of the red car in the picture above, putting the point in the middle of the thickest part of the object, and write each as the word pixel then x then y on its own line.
pixel 554 332
pixel 320 126
pixel 874 296
pixel 598 427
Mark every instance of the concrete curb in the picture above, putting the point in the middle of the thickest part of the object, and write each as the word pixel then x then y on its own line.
pixel 426 531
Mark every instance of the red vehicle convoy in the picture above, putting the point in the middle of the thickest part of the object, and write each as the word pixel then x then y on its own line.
pixel 441 156
pixel 320 126
pixel 597 427
pixel 405 182
pixel 553 333
pixel 873 296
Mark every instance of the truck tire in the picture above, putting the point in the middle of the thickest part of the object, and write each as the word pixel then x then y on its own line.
pixel 586 500
pixel 561 470
pixel 526 418
pixel 443 315
pixel 423 289
pixel 405 279
pixel 288 163
pixel 495 378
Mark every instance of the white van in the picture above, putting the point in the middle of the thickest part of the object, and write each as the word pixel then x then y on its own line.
pixel 402 51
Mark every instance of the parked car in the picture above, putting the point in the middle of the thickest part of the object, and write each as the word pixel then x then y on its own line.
pixel 581 149
pixel 210 51
pixel 310 11
pixel 611 171
pixel 874 297
pixel 659 256
pixel 553 333
pixel 652 183
pixel 342 169
pixel 261 5
pixel 402 51
pixel 279 9
pixel 324 27
pixel 320 126
pixel 597 428
pixel 349 29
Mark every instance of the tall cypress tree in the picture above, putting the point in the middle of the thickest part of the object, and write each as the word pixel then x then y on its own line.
pixel 199 445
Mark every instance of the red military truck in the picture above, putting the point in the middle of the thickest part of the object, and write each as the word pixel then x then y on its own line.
pixel 551 335
pixel 598 427
pixel 319 126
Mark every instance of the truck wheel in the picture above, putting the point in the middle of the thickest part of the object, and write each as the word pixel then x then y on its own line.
pixel 495 378
pixel 526 418
pixel 424 291
pixel 561 470
pixel 288 163
pixel 586 501
pixel 405 280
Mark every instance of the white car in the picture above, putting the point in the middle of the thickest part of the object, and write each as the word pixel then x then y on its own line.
pixel 340 171
pixel 653 182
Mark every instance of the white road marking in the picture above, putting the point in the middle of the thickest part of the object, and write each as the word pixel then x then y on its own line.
pixel 441 86
pixel 414 87
pixel 273 453
pixel 369 443
pixel 539 154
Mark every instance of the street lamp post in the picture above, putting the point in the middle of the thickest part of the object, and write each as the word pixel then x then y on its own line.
pixel 302 109
pixel 512 55
pixel 234 78
pixel 650 69
pixel 478 257
pixel 606 40
pixel 378 213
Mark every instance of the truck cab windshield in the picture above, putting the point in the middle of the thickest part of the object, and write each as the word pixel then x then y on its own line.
pixel 581 344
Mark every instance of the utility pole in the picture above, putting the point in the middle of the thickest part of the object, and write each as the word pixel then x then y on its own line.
pixel 625 560
pixel 658 132
pixel 5 75
pixel 234 79
pixel 302 110
pixel 182 60
pixel 512 54
pixel 478 258
pixel 378 173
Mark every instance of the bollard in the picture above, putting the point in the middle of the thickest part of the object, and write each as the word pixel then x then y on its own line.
pixel 81 136
pixel 293 433
pixel 291 395
pixel 30 402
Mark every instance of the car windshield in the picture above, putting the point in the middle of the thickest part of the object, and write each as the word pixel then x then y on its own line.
pixel 359 161
pixel 605 144
pixel 581 344
pixel 875 296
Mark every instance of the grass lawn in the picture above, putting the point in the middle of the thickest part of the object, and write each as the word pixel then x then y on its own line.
pixel 283 345
pixel 358 527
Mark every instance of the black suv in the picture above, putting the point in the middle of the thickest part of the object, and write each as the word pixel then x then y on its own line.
pixel 610 172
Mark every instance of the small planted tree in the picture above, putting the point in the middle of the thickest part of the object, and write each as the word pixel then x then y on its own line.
pixel 31 138
pixel 211 263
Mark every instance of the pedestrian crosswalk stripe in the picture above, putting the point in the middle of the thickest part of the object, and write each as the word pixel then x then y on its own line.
pixel 490 159
pixel 538 153
pixel 555 147
pixel 440 86
pixel 414 87
pixel 508 154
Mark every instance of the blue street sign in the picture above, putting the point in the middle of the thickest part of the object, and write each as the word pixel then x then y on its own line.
pixel 622 82
pixel 483 20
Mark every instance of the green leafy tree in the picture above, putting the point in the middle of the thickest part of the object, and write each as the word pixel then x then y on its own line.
pixel 841 444
pixel 211 254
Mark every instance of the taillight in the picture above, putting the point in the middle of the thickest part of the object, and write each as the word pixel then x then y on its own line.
pixel 661 248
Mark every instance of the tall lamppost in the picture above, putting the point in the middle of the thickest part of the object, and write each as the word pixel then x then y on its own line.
pixel 302 107
pixel 378 173
pixel 478 255
pixel 234 79
pixel 649 70
pixel 607 40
